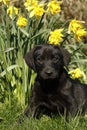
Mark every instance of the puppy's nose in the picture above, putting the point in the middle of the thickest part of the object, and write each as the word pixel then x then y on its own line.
pixel 48 72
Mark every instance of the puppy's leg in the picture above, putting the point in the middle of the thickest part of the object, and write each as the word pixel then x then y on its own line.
pixel 37 110
pixel 73 108
pixel 30 111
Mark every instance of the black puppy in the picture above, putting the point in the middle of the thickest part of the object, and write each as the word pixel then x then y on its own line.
pixel 54 91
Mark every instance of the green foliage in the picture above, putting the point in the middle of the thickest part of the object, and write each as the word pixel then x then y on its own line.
pixel 78 57
pixel 14 81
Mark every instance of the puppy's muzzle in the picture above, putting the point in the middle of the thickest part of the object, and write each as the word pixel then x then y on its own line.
pixel 48 73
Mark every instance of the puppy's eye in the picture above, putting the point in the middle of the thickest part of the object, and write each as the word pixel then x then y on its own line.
pixel 40 61
pixel 55 59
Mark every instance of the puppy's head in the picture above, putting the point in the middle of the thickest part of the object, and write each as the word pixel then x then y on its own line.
pixel 47 60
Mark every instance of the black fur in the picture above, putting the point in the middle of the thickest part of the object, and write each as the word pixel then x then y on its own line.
pixel 54 91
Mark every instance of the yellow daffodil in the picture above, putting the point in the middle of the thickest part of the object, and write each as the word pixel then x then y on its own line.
pixel 74 26
pixel 22 21
pixel 12 11
pixel 30 3
pixel 76 73
pixel 37 11
pixel 35 8
pixel 56 36
pixel 80 34
pixel 6 2
pixel 54 6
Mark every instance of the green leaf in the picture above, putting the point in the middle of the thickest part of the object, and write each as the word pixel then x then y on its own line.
pixel 8 69
pixel 9 49
pixel 24 32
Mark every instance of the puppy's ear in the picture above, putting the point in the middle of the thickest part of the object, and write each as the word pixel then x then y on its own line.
pixel 66 56
pixel 29 58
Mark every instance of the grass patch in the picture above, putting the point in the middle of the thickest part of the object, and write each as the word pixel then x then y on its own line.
pixel 9 117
